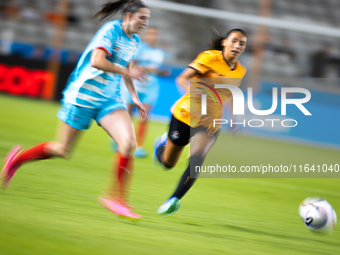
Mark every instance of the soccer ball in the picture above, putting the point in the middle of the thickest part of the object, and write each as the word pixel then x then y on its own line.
pixel 318 215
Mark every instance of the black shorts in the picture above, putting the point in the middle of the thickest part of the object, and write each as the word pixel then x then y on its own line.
pixel 180 133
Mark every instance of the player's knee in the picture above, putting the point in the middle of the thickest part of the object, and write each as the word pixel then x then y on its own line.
pixel 168 165
pixel 58 150
pixel 127 146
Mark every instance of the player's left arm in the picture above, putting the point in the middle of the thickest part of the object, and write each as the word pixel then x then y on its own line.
pixel 127 78
pixel 156 70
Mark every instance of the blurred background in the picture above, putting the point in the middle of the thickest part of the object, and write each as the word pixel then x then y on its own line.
pixel 50 207
pixel 291 43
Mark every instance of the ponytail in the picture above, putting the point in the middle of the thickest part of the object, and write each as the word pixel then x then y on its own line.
pixel 217 38
pixel 112 7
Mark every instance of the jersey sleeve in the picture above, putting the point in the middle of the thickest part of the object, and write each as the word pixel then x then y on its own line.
pixel 139 52
pixel 139 48
pixel 105 38
pixel 202 63
pixel 244 69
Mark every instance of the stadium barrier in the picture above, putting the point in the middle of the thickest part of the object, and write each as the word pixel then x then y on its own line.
pixel 24 77
pixel 319 129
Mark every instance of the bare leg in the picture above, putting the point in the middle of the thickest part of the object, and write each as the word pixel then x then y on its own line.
pixel 119 126
pixel 200 145
pixel 171 154
pixel 65 140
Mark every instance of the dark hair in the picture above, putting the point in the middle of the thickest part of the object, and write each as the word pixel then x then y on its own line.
pixel 112 7
pixel 217 38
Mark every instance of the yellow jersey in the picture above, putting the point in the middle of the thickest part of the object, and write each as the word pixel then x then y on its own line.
pixel 212 69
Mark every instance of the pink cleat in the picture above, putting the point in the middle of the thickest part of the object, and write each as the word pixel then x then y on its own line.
pixel 8 170
pixel 119 209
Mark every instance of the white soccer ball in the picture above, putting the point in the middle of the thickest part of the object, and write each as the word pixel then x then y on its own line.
pixel 318 215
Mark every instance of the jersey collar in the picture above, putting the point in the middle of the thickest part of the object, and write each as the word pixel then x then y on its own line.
pixel 232 69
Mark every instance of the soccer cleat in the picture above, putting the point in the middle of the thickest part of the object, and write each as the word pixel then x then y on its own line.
pixel 158 142
pixel 8 170
pixel 140 152
pixel 119 209
pixel 169 207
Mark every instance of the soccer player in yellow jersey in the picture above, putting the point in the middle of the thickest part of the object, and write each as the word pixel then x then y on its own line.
pixel 188 126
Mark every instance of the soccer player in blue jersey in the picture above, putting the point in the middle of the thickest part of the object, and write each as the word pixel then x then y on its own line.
pixel 150 57
pixel 93 92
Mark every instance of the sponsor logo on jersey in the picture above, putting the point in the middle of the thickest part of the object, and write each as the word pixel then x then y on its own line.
pixel 184 112
pixel 175 135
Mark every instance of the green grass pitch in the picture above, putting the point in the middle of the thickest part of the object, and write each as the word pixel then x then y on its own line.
pixel 51 206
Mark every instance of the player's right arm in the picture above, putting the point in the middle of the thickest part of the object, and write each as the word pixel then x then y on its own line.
pixel 185 76
pixel 199 66
pixel 131 88
pixel 99 61
pixel 103 47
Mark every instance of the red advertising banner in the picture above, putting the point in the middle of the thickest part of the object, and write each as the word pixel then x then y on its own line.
pixel 18 80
